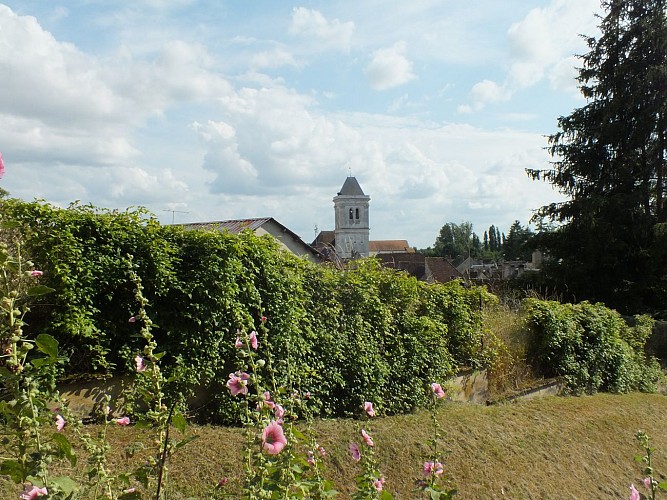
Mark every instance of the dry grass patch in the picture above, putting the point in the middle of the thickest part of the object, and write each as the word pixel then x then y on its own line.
pixel 551 448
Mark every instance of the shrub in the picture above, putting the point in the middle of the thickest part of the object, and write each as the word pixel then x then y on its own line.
pixel 364 333
pixel 590 346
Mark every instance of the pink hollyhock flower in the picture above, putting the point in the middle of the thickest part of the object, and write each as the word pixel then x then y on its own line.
pixel 132 319
pixel 140 363
pixel 354 451
pixel 322 451
pixel 263 319
pixel 2 166
pixel 307 395
pixel 279 411
pixel 253 340
pixel 367 438
pixel 238 383
pixel 60 422
pixel 647 483
pixel 239 343
pixel 30 492
pixel 123 421
pixel 368 408
pixel 438 469
pixel 36 273
pixel 437 390
pixel 379 484
pixel 311 458
pixel 223 481
pixel 273 438
pixel 634 494
pixel 130 490
pixel 428 468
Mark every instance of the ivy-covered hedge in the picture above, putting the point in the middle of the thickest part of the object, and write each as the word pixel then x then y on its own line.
pixel 591 347
pixel 365 333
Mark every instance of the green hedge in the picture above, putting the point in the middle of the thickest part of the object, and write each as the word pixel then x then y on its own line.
pixel 346 336
pixel 590 346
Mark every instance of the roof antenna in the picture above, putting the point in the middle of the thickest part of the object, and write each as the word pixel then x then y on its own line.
pixel 174 212
pixel 350 170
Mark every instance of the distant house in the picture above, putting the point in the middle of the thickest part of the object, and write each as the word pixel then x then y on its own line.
pixel 376 247
pixel 429 269
pixel 287 239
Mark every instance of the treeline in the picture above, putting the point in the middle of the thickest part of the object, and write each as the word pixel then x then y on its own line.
pixel 459 240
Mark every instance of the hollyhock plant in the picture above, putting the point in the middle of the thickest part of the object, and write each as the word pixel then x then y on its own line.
pixel 368 408
pixel 238 383
pixel 273 438
pixel 30 492
pixel 60 422
pixel 437 390
pixel 253 340
pixel 354 451
pixel 367 438
pixel 123 421
pixel 433 468
pixel 140 364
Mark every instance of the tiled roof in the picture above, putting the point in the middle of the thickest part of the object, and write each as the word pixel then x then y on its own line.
pixel 379 246
pixel 324 237
pixel 234 226
pixel 442 270
pixel 412 263
pixel 351 188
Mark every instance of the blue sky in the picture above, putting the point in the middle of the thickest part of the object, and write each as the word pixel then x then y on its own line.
pixel 228 109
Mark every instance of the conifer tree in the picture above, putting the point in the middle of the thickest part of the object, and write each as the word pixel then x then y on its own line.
pixel 609 159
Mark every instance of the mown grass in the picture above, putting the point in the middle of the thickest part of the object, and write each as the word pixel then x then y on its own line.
pixel 551 448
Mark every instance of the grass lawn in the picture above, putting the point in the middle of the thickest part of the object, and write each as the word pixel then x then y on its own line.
pixel 555 447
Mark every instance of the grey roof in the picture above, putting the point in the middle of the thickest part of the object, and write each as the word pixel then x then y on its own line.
pixel 351 188
pixel 233 226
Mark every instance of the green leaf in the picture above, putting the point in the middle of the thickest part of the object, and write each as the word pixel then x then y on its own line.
pixel 47 344
pixel 178 421
pixel 185 441
pixel 38 290
pixel 385 495
pixel 65 447
pixel 298 434
pixel 12 469
pixel 662 486
pixel 65 484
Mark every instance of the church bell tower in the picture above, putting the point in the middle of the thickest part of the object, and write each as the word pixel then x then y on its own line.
pixel 352 227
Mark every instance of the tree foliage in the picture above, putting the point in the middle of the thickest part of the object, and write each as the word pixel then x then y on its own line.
pixel 362 334
pixel 609 159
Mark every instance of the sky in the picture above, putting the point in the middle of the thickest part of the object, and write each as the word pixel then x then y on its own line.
pixel 214 109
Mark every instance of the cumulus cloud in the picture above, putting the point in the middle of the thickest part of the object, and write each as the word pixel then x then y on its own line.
pixel 389 67
pixel 310 23
pixel 542 44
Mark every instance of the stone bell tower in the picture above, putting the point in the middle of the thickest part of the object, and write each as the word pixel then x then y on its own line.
pixel 352 227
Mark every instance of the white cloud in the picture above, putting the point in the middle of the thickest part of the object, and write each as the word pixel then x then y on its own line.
pixel 542 46
pixel 311 23
pixel 275 58
pixel 488 91
pixel 389 67
pixel 547 37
